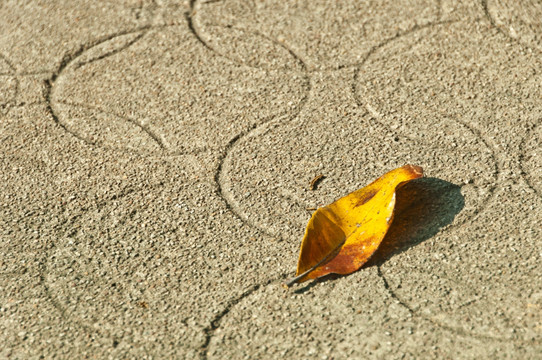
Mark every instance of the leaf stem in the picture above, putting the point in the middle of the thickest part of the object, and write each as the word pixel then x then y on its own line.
pixel 329 256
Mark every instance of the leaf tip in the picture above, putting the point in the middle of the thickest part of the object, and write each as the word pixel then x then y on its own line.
pixel 416 170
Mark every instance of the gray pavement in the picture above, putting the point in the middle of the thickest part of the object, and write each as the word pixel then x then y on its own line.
pixel 155 161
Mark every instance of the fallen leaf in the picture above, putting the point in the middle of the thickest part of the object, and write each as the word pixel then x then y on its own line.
pixel 342 236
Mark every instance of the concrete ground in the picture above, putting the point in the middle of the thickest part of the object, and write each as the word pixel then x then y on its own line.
pixel 155 161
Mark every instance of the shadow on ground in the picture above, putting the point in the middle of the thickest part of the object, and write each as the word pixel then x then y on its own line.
pixel 424 206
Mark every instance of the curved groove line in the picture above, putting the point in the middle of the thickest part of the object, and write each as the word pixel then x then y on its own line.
pixel 215 323
pixel 485 7
pixel 27 73
pixel 10 65
pixel 112 52
pixel 219 187
pixel 487 202
pixel 67 60
pixel 496 173
pixel 377 116
pixel 374 49
pixel 230 146
pixel 505 33
pixel 33 103
pixel 194 29
pixel 13 100
pixel 377 47
pixel 302 62
pixel 190 21
pixel 330 68
pixel 356 65
pixel 67 224
pixel 523 152
pixel 490 18
pixel 452 329
pixel 136 123
pixel 211 2
pixel 49 84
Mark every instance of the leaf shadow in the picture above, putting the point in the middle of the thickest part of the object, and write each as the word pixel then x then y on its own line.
pixel 313 283
pixel 423 208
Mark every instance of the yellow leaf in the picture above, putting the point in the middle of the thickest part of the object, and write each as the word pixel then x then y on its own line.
pixel 342 236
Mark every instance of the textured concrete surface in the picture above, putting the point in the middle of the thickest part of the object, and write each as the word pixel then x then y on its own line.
pixel 155 161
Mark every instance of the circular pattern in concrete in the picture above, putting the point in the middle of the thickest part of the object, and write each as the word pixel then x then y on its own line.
pixel 466 301
pixel 352 317
pixel 418 82
pixel 168 92
pixel 110 254
pixel 36 43
pixel 266 175
pixel 426 83
pixel 121 262
pixel 325 34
